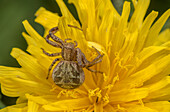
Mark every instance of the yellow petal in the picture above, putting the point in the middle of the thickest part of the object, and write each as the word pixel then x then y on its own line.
pixel 37 99
pixel 117 41
pixel 160 106
pixel 92 29
pixel 143 32
pixel 109 108
pixel 82 12
pixel 15 108
pixel 156 28
pixel 158 66
pixel 160 94
pixel 163 37
pixel 101 8
pixel 155 68
pixel 89 82
pixel 33 34
pixel 137 79
pixel 32 106
pixel 65 12
pixel 33 86
pixel 29 63
pixel 30 41
pixel 11 72
pixel 128 95
pixel 134 3
pixel 159 84
pixel 11 89
pixel 46 18
pixel 71 104
pixel 105 29
pixel 138 108
pixel 31 31
pixel 70 32
pixel 150 55
pixel 44 60
pixel 98 107
pixel 21 99
pixel 138 15
pixel 129 45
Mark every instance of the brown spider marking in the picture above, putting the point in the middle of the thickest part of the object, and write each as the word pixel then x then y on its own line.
pixel 68 73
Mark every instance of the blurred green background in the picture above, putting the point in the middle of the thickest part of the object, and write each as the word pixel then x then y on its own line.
pixel 13 12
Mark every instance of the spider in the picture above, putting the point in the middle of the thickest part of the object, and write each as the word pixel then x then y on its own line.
pixel 68 73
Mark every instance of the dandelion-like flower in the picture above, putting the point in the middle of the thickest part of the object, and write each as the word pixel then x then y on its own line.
pixel 135 65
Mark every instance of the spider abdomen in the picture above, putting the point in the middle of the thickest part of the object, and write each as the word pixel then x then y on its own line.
pixel 68 75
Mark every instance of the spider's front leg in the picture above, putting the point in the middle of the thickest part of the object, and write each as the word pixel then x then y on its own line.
pixel 98 59
pixel 53 54
pixel 55 38
pixel 81 59
pixel 51 42
pixel 83 62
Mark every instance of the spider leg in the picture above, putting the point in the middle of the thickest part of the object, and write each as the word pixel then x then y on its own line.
pixel 57 59
pixel 53 54
pixel 87 67
pixel 95 71
pixel 75 27
pixel 75 43
pixel 52 43
pixel 98 57
pixel 67 39
pixel 91 64
pixel 81 59
pixel 55 38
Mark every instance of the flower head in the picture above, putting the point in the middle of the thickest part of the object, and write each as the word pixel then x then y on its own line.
pixel 135 65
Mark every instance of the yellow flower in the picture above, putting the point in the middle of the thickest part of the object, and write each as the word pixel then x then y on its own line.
pixel 135 65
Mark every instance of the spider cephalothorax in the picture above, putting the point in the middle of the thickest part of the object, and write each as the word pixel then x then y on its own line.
pixel 68 73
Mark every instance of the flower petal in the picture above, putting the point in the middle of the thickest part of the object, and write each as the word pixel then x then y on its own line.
pixel 72 32
pixel 46 18
pixel 128 95
pixel 32 106
pixel 137 79
pixel 138 108
pixel 149 55
pixel 98 107
pixel 71 104
pixel 118 40
pixel 36 37
pixel 65 12
pixel 15 108
pixel 105 29
pixel 143 32
pixel 11 89
pixel 29 64
pixel 156 28
pixel 109 108
pixel 129 45
pixel 138 15
pixel 163 37
pixel 159 84
pixel 161 94
pixel 152 70
pixel 11 72
pixel 160 106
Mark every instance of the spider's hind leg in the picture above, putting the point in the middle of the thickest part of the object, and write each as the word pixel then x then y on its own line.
pixel 57 59
pixel 95 71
